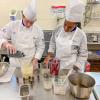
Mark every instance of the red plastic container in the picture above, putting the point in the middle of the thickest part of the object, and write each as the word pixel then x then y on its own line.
pixel 88 66
pixel 54 65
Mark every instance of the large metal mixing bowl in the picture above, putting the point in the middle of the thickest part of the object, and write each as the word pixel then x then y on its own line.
pixel 81 85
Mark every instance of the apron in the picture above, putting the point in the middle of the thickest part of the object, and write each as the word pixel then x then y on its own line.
pixel 24 40
pixel 63 51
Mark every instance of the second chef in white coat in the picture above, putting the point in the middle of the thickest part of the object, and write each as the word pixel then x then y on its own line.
pixel 68 41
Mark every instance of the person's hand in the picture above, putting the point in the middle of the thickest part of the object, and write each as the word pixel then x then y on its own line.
pixel 10 48
pixel 35 63
pixel 47 59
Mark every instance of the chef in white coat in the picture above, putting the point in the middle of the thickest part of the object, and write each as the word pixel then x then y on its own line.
pixel 68 41
pixel 25 35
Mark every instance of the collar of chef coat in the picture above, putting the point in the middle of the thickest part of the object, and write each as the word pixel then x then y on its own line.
pixel 73 29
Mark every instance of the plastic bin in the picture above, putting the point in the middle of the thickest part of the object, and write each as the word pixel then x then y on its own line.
pixel 59 86
pixel 47 83
pixel 24 92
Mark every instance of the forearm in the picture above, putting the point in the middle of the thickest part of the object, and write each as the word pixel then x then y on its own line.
pixel 82 58
pixel 39 54
pixel 40 46
pixel 80 62
pixel 82 54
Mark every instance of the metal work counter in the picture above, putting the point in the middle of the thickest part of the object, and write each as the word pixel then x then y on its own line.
pixel 97 92
pixel 96 76
pixel 10 91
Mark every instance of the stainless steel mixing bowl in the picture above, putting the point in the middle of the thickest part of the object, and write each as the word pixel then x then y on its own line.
pixel 81 85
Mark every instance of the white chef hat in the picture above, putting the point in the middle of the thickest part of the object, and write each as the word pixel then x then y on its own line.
pixel 33 5
pixel 29 13
pixel 74 10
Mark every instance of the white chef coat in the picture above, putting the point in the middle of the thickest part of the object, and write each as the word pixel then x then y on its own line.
pixel 70 47
pixel 28 40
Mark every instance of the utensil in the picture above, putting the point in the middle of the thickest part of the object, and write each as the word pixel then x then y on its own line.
pixel 18 54
pixel 69 73
pixel 24 91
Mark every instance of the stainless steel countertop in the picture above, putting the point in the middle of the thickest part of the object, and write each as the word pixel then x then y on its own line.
pixel 96 76
pixel 97 92
pixel 10 91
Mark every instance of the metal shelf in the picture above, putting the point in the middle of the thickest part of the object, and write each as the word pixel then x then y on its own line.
pixel 93 43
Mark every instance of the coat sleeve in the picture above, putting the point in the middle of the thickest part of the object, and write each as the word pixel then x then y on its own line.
pixel 40 45
pixel 5 33
pixel 82 54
